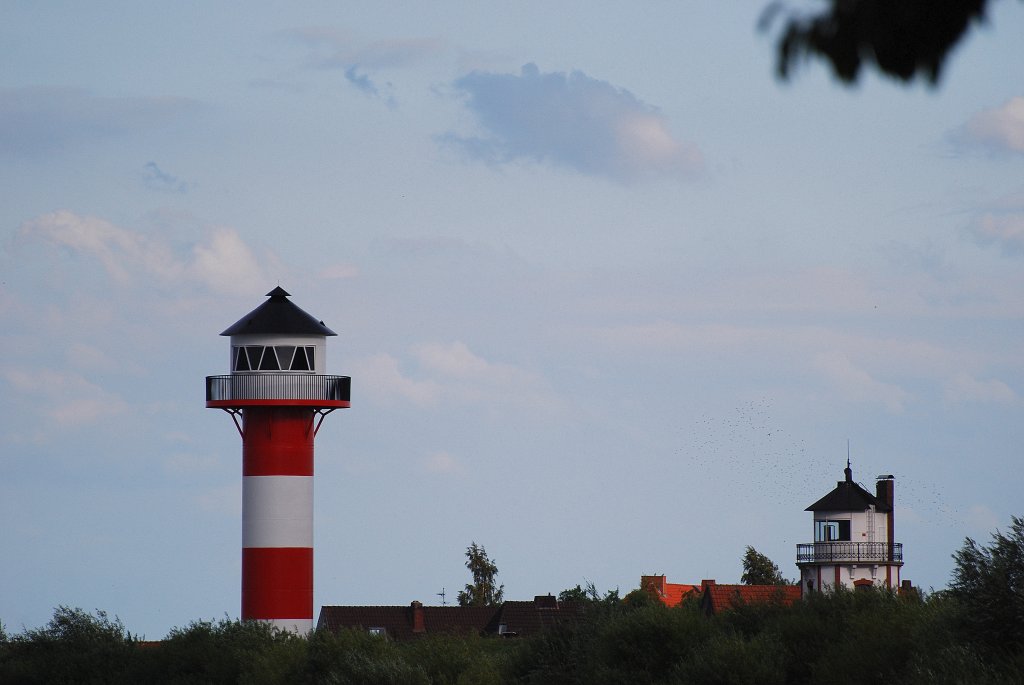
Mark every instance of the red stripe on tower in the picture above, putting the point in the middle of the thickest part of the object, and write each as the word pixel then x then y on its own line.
pixel 277 389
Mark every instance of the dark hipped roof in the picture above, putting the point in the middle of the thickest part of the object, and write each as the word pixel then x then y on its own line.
pixel 848 496
pixel 397 621
pixel 519 618
pixel 278 315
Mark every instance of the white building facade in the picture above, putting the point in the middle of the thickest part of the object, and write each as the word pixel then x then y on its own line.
pixel 854 542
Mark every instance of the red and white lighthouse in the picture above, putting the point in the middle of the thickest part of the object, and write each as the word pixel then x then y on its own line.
pixel 278 395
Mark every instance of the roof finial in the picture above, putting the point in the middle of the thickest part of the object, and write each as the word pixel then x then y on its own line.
pixel 848 471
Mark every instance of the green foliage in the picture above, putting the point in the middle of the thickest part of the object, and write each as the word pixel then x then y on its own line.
pixel 640 598
pixel 448 659
pixel 730 659
pixel 74 647
pixel 225 651
pixel 989 583
pixel 760 570
pixel 968 634
pixel 577 594
pixel 482 592
pixel 354 657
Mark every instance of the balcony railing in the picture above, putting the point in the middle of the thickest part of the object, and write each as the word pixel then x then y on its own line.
pixel 849 553
pixel 240 389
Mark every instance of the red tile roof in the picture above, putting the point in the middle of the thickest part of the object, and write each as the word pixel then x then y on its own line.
pixel 669 594
pixel 716 598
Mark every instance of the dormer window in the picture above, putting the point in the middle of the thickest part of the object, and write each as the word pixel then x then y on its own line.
pixel 274 358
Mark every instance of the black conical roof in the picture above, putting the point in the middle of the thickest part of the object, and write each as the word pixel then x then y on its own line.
pixel 848 496
pixel 278 316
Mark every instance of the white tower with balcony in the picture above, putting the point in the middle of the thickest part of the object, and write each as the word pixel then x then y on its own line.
pixel 853 538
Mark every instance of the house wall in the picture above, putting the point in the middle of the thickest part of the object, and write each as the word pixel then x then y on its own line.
pixel 862 529
pixel 824 576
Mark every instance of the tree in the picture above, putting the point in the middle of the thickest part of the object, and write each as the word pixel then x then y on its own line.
pixel 74 647
pixel 904 38
pixel 482 592
pixel 989 581
pixel 760 570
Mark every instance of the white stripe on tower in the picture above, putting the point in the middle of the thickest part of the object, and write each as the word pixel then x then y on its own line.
pixel 277 511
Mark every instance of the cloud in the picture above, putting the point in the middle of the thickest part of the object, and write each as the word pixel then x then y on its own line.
pixel 363 83
pixel 43 119
pixel 445 373
pixel 467 377
pixel 965 388
pixel 156 178
pixel 66 397
pixel 573 121
pixel 340 271
pixel 856 384
pixel 333 49
pixel 225 500
pixel 360 81
pixel 1000 128
pixel 1003 230
pixel 385 382
pixel 442 462
pixel 982 521
pixel 224 263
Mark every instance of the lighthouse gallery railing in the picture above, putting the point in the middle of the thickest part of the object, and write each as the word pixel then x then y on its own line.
pixel 277 386
pixel 849 552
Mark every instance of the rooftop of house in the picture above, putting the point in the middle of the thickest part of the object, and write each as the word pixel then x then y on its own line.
pixel 512 618
pixel 716 598
pixel 848 496
pixel 669 594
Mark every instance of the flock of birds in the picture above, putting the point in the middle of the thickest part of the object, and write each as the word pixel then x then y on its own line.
pixel 769 465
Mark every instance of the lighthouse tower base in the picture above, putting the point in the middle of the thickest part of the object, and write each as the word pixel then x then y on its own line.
pixel 277 516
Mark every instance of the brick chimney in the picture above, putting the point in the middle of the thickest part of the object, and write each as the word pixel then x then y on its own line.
pixel 653 585
pixel 418 625
pixel 885 490
pixel 545 601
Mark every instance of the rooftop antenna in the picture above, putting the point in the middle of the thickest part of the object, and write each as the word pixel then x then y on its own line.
pixel 848 471
pixel 442 596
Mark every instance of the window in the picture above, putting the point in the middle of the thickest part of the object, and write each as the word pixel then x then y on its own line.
pixel 269 361
pixel 832 531
pixel 303 360
pixel 274 358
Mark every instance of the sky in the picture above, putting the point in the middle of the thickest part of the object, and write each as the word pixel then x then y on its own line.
pixel 615 300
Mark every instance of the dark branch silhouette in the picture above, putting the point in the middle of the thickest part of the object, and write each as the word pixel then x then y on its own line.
pixel 902 38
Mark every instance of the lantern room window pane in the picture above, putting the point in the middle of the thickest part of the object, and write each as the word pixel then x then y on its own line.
pixel 241 360
pixel 284 355
pixel 269 361
pixel 254 353
pixel 300 363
